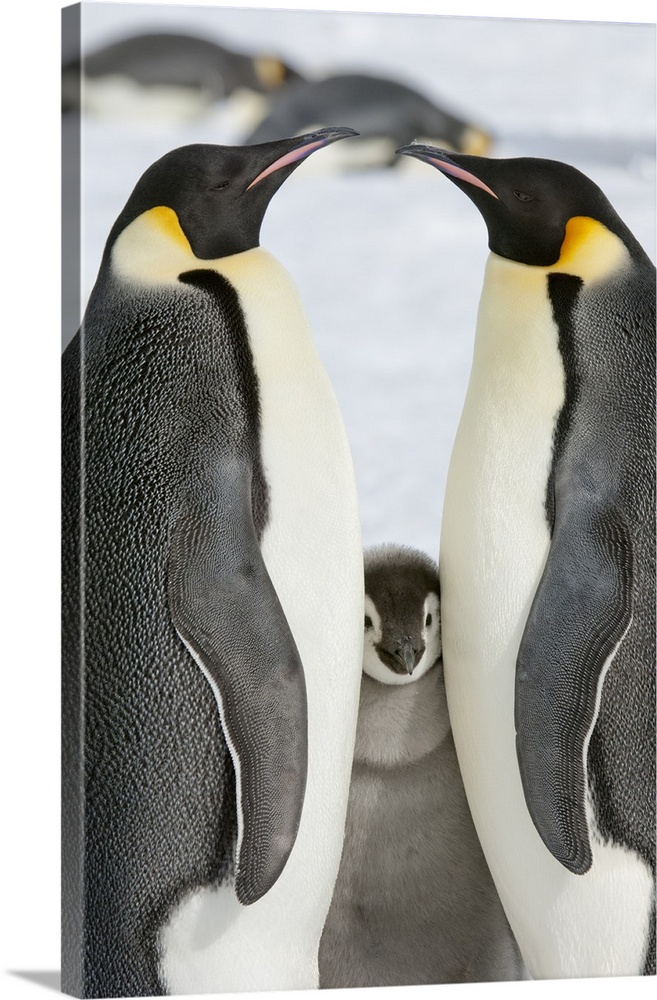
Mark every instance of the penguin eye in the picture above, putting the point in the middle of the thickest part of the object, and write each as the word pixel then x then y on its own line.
pixel 219 186
pixel 368 622
pixel 428 621
pixel 521 196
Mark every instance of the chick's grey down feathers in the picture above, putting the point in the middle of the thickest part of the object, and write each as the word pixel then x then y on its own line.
pixel 414 902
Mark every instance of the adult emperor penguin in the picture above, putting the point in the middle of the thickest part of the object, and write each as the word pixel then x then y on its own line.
pixel 213 598
pixel 175 74
pixel 414 901
pixel 547 568
pixel 385 111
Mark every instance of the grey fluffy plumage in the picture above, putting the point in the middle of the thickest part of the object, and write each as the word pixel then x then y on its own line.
pixel 414 902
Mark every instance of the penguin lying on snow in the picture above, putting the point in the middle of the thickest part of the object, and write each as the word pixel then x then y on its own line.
pixel 385 112
pixel 414 902
pixel 209 714
pixel 548 568
pixel 187 73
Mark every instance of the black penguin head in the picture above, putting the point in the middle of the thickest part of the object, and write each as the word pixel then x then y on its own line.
pixel 220 194
pixel 402 614
pixel 526 202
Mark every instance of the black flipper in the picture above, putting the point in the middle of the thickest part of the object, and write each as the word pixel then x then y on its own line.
pixel 580 612
pixel 227 612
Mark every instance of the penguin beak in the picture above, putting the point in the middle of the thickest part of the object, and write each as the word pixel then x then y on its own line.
pixel 445 162
pixel 300 147
pixel 407 654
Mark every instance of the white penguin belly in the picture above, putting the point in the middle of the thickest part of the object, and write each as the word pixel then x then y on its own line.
pixel 494 544
pixel 312 550
pixel 119 96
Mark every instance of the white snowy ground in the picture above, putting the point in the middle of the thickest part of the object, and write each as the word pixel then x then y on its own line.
pixel 389 263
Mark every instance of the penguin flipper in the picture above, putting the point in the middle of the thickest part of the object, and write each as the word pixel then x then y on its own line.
pixel 581 610
pixel 226 610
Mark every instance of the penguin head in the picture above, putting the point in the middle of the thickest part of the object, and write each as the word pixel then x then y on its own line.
pixel 211 200
pixel 537 211
pixel 402 614
pixel 272 73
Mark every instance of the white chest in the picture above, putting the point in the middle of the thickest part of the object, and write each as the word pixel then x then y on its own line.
pixel 311 544
pixel 495 535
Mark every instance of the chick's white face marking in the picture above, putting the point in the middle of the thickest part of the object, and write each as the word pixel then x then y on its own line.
pixel 374 667
pixel 432 634
pixel 371 663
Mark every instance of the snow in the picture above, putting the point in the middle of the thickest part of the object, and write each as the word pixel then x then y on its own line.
pixel 389 263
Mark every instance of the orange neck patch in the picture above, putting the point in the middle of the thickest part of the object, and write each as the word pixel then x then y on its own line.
pixel 590 250
pixel 166 220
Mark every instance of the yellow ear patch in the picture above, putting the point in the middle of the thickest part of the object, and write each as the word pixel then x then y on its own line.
pixel 153 249
pixel 590 250
pixel 166 220
pixel 475 142
pixel 269 71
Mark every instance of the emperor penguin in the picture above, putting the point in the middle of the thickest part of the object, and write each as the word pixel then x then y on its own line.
pixel 547 567
pixel 385 111
pixel 213 595
pixel 414 902
pixel 177 74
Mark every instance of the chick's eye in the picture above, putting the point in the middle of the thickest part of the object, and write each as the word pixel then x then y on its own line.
pixel 428 621
pixel 368 622
pixel 521 196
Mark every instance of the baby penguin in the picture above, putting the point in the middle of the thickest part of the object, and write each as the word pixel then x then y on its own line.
pixel 414 902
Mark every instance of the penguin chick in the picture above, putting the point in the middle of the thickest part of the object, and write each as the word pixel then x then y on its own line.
pixel 402 615
pixel 414 902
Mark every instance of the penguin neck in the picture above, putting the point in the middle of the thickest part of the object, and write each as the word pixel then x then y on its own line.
pixel 153 250
pixel 398 725
pixel 500 463
pixel 516 363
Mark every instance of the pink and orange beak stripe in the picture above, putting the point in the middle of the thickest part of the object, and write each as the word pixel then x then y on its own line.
pixel 308 145
pixel 443 162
